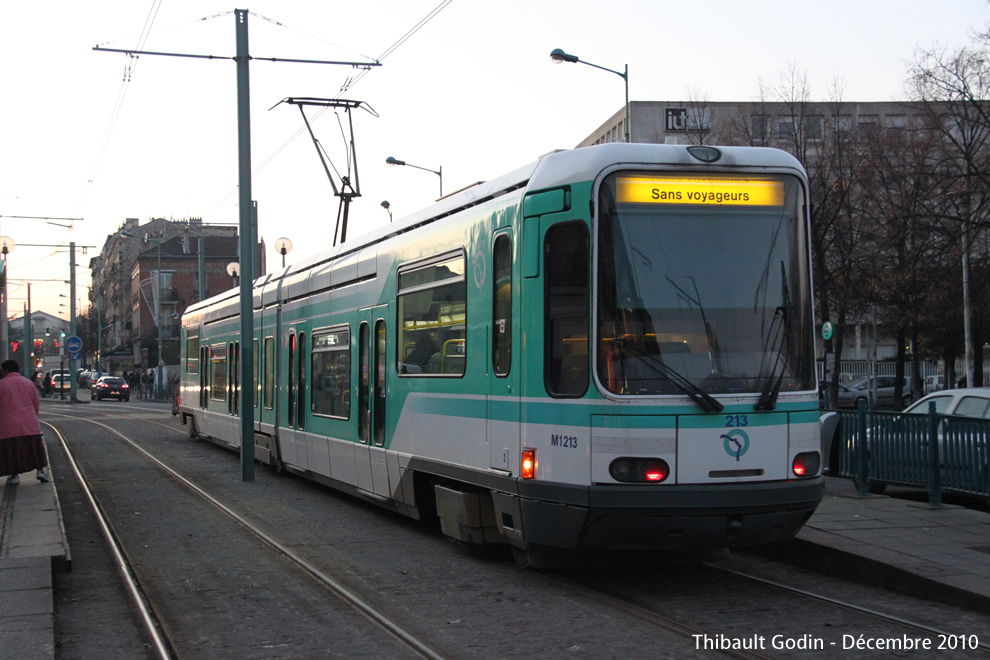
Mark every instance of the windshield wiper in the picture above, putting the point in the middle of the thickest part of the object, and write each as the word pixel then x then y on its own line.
pixel 698 395
pixel 768 398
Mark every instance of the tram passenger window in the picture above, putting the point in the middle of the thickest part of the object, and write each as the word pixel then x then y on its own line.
pixel 301 389
pixel 256 375
pixel 432 312
pixel 269 372
pixel 192 355
pixel 502 305
pixel 567 300
pixel 218 376
pixel 331 379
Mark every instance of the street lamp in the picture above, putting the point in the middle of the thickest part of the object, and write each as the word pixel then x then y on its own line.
pixel 232 269
pixel 392 162
pixel 558 56
pixel 283 246
pixel 387 207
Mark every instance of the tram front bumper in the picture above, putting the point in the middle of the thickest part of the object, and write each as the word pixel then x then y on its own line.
pixel 668 518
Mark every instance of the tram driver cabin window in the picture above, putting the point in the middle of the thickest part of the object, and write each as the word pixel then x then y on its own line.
pixel 567 299
pixel 432 311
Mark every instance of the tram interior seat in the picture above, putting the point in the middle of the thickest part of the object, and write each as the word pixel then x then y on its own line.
pixel 452 356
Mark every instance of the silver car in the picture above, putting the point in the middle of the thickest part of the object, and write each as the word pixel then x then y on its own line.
pixel 851 395
pixel 965 402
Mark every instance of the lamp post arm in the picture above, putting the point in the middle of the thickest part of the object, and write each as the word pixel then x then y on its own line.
pixel 624 76
pixel 426 169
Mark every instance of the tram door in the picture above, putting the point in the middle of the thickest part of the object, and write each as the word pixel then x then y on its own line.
pixel 503 368
pixel 372 368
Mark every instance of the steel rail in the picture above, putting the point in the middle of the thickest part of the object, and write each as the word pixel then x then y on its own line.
pixel 336 588
pixel 149 621
pixel 834 601
pixel 651 616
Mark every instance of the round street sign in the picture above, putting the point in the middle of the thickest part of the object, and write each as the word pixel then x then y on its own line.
pixel 73 344
pixel 827 330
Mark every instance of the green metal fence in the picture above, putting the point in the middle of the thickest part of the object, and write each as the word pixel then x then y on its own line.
pixel 937 452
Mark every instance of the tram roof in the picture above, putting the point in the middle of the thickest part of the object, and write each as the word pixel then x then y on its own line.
pixel 559 168
pixel 550 170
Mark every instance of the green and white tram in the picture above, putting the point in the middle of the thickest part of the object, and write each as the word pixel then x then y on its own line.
pixel 609 349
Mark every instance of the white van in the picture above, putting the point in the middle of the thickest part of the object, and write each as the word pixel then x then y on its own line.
pixel 934 384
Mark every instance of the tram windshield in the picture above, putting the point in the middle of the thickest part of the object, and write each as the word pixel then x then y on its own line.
pixel 703 286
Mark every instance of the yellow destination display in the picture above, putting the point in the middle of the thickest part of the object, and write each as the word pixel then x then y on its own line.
pixel 717 191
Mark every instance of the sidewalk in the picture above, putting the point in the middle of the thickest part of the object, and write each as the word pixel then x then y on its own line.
pixel 937 552
pixel 32 543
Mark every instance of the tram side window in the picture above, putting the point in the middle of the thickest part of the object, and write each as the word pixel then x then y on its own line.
pixel 331 388
pixel 432 312
pixel 269 372
pixel 192 355
pixel 567 311
pixel 255 372
pixel 218 377
pixel 502 305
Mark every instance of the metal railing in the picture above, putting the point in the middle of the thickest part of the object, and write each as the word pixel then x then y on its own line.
pixel 938 452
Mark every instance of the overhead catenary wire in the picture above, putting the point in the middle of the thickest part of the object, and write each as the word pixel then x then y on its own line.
pixel 350 82
pixel 122 94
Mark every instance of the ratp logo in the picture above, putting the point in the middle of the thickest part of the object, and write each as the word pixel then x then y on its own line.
pixel 736 443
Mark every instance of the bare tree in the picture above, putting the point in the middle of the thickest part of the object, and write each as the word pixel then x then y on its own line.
pixel 950 92
pixel 904 241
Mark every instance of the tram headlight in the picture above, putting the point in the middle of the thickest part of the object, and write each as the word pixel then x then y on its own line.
pixel 639 470
pixel 807 464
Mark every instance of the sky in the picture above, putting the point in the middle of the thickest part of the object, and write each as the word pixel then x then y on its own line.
pixel 96 137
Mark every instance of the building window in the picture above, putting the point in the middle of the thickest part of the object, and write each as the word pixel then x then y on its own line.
pixel 867 126
pixel 785 129
pixel 842 123
pixel 896 122
pixel 758 128
pixel 813 127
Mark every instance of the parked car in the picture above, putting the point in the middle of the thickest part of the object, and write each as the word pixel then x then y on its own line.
pixel 966 402
pixel 112 387
pixel 832 405
pixel 851 395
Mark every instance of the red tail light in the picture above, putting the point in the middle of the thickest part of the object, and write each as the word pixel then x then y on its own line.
pixel 807 464
pixel 528 467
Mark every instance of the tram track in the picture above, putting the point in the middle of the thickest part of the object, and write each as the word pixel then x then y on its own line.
pixel 683 617
pixel 702 605
pixel 869 611
pixel 147 619
pixel 152 624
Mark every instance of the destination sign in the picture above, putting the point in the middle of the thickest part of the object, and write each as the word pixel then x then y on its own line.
pixel 699 190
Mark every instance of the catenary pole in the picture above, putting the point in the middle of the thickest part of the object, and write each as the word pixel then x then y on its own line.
pixel 246 360
pixel 246 370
